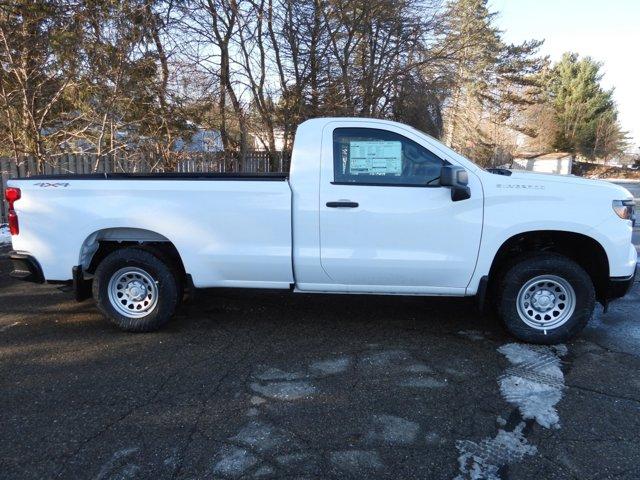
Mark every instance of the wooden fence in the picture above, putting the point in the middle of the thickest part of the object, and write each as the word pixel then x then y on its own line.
pixel 70 164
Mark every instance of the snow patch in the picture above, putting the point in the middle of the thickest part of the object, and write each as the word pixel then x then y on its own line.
pixel 277 374
pixel 455 373
pixel 172 461
pixel 330 367
pixel 263 471
pixel 233 461
pixel 287 391
pixel 432 438
pixel 261 437
pixel 419 368
pixel 482 460
pixel 471 334
pixel 534 381
pixel 306 463
pixel 5 236
pixel 256 400
pixel 392 430
pixel 356 462
pixel 119 466
pixel 385 359
pixel 293 458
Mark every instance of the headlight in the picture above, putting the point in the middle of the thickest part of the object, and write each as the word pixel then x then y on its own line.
pixel 625 209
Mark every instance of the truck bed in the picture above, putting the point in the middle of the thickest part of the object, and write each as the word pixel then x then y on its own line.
pixel 231 230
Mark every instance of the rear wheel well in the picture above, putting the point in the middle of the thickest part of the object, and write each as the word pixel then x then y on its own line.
pixel 102 243
pixel 582 249
pixel 165 251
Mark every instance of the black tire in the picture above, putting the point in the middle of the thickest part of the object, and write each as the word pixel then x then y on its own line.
pixel 528 268
pixel 168 289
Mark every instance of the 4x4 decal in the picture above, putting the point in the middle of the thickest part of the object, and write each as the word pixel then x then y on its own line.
pixel 51 185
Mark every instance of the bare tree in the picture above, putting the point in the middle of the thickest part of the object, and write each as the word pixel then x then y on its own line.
pixel 37 62
pixel 141 75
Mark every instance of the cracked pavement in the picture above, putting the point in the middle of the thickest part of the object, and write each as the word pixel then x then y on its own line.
pixel 254 384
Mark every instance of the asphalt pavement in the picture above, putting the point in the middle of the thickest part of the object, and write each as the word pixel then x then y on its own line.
pixel 251 384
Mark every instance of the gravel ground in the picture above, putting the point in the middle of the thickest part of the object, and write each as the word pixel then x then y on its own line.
pixel 247 384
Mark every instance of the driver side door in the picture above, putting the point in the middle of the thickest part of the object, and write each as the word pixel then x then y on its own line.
pixel 386 225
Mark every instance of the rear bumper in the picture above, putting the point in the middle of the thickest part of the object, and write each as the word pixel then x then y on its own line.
pixel 619 287
pixel 25 267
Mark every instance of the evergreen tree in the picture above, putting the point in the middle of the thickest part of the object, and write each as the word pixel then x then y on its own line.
pixel 586 113
pixel 490 80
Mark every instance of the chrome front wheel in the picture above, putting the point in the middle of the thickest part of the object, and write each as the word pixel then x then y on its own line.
pixel 545 298
pixel 546 302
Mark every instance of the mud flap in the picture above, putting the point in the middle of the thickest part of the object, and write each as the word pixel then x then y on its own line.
pixel 481 296
pixel 81 286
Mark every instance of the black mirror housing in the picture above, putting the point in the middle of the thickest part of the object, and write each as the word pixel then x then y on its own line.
pixel 457 179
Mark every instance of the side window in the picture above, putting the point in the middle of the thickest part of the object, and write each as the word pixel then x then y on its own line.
pixel 368 156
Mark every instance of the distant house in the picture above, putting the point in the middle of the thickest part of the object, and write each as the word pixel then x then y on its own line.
pixel 202 141
pixel 122 140
pixel 261 140
pixel 559 162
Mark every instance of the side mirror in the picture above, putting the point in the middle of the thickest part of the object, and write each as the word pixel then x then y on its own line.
pixel 457 179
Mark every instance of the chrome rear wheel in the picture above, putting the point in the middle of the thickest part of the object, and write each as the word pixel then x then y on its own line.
pixel 136 289
pixel 133 292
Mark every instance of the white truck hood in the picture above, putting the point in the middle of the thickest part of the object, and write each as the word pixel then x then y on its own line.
pixel 618 192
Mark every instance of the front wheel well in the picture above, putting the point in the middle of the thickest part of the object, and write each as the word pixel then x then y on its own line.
pixel 582 249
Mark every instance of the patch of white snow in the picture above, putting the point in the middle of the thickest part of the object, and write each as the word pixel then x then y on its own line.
pixel 484 459
pixel 5 236
pixel 392 430
pixel 287 391
pixel 331 366
pixel 534 382
pixel 471 334
pixel 277 374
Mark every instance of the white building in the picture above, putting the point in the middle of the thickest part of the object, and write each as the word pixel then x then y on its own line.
pixel 261 140
pixel 559 163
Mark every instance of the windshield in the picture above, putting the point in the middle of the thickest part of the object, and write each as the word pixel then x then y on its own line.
pixel 449 151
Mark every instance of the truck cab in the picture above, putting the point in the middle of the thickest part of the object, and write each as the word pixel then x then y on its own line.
pixel 382 220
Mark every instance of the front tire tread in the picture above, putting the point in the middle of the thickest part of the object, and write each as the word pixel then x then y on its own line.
pixel 534 265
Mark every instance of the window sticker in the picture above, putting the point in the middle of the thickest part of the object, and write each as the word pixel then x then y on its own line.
pixel 375 157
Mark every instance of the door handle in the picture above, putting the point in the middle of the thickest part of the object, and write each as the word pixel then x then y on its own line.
pixel 342 204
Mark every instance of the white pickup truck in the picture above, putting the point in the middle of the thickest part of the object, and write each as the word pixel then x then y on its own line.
pixel 369 207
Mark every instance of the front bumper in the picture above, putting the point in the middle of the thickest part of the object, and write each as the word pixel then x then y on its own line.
pixel 619 287
pixel 25 267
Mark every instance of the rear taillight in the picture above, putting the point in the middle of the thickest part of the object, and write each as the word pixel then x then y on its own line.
pixel 12 194
pixel 14 227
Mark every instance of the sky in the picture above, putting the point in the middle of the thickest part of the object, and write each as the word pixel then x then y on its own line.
pixel 608 31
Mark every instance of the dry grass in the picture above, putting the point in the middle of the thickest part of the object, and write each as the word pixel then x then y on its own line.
pixel 596 170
